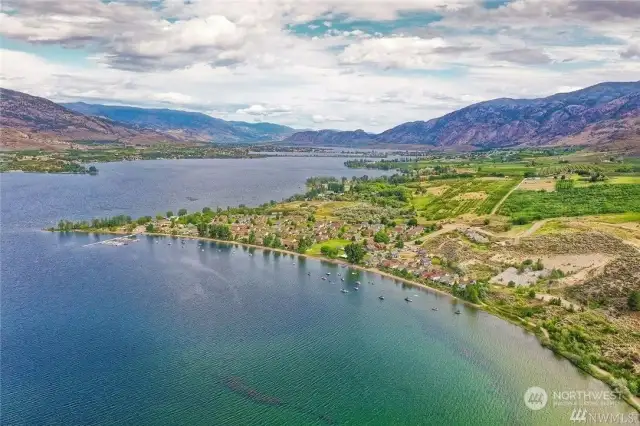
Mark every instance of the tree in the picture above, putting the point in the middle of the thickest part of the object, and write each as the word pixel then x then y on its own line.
pixel 150 227
pixel 169 213
pixel 355 252
pixel 381 237
pixel 399 244
pixel 252 237
pixel 329 251
pixel 634 301
pixel 93 170
pixel 304 244
pixel 412 222
pixel 159 216
pixel 182 212
pixel 206 210
pixel 471 294
pixel 532 294
pixel 220 232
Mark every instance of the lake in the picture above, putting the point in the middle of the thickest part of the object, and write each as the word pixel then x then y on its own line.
pixel 164 333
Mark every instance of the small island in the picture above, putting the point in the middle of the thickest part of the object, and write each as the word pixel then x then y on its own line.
pixel 526 236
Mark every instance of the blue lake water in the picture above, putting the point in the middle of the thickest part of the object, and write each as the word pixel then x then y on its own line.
pixel 160 334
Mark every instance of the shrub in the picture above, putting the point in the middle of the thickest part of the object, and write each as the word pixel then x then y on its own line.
pixel 634 301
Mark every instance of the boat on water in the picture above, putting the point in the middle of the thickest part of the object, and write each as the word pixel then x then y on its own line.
pixel 356 288
pixel 358 283
pixel 324 278
pixel 406 299
pixel 381 297
pixel 457 312
pixel 341 279
pixel 344 291
pixel 434 309
pixel 328 273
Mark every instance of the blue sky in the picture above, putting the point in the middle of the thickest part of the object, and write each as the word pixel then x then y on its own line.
pixel 345 64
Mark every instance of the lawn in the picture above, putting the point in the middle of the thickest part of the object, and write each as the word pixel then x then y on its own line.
pixel 335 243
pixel 577 201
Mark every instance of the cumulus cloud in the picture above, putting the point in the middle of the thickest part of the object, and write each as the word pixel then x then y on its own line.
pixel 631 52
pixel 242 60
pixel 262 110
pixel 319 119
pixel 395 52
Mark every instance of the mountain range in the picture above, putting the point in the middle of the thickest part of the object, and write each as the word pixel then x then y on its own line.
pixel 186 125
pixel 607 114
pixel 600 114
pixel 30 122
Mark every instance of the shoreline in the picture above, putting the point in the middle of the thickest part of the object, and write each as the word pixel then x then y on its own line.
pixel 594 371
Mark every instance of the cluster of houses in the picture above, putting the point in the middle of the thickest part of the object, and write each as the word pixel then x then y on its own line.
pixel 291 228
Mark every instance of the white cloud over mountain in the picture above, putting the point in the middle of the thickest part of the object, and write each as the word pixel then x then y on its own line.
pixel 341 63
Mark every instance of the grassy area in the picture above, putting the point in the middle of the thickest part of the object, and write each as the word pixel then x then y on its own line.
pixel 619 218
pixel 551 227
pixel 461 196
pixel 577 201
pixel 336 243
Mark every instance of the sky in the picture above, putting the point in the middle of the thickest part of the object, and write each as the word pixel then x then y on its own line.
pixel 339 64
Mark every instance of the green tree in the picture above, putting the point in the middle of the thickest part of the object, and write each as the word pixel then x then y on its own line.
pixel 304 244
pixel 399 244
pixel 329 251
pixel 150 227
pixel 206 210
pixel 471 294
pixel 355 252
pixel 412 222
pixel 220 232
pixel 252 237
pixel 634 301
pixel 169 213
pixel 381 237
pixel 93 170
pixel 182 212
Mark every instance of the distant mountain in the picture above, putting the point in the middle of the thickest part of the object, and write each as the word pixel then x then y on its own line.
pixel 331 137
pixel 608 108
pixel 33 122
pixel 186 125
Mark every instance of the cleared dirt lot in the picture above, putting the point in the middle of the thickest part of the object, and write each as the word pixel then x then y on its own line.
pixel 547 184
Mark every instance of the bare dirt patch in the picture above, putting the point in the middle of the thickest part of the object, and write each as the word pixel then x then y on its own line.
pixel 437 190
pixel 538 184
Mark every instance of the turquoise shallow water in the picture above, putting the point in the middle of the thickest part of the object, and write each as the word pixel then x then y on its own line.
pixel 152 333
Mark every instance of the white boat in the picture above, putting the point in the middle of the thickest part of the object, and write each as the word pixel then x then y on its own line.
pixel 344 291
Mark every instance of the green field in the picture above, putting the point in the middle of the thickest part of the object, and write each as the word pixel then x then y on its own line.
pixel 577 201
pixel 461 196
pixel 336 243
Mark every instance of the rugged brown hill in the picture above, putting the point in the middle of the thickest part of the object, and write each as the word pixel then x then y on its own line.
pixel 596 115
pixel 32 122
